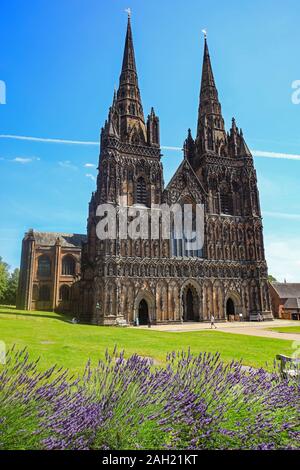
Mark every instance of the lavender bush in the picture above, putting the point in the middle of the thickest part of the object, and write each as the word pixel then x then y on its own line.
pixel 194 402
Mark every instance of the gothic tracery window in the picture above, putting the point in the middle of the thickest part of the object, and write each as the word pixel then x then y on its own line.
pixel 68 266
pixel 226 203
pixel 185 244
pixel 141 192
pixel 44 266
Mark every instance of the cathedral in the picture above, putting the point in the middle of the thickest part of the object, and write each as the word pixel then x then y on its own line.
pixel 152 281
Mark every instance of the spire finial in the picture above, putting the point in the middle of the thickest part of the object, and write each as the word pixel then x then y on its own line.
pixel 128 11
pixel 210 113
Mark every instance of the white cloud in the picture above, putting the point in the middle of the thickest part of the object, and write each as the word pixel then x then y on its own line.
pixel 89 165
pixel 24 160
pixel 283 257
pixel 67 164
pixel 92 177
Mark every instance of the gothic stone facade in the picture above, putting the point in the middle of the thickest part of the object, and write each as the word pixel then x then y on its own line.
pixel 157 280
pixel 50 269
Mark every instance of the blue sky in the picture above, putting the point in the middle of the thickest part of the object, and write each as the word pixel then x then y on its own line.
pixel 60 61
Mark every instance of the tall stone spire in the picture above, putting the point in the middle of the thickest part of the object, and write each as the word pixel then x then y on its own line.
pixel 129 102
pixel 211 133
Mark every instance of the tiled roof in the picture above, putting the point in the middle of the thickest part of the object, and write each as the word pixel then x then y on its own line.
pixel 50 238
pixel 287 290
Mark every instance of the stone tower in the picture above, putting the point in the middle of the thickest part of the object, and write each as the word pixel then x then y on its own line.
pixel 234 230
pixel 130 172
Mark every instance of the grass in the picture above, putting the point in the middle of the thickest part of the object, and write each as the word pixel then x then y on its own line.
pixel 286 329
pixel 55 340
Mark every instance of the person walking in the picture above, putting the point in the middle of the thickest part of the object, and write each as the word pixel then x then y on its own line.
pixel 212 322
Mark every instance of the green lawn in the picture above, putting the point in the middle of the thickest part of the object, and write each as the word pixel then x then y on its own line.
pixel 287 329
pixel 57 341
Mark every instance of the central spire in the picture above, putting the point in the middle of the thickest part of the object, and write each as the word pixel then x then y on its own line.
pixel 209 100
pixel 129 102
pixel 126 120
pixel 128 57
pixel 210 131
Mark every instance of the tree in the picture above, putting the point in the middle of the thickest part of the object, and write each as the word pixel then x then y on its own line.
pixel 10 297
pixel 4 276
pixel 271 278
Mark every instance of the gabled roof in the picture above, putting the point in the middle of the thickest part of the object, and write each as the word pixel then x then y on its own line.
pixel 286 290
pixel 74 240
pixel 194 181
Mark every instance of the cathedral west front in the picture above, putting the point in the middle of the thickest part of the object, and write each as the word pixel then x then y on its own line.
pixel 157 280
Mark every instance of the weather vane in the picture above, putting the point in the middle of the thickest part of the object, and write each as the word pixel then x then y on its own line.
pixel 205 33
pixel 128 11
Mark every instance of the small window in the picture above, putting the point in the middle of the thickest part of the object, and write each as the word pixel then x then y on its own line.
pixel 210 143
pixel 141 192
pixel 44 266
pixel 44 293
pixel 35 292
pixel 64 293
pixel 68 266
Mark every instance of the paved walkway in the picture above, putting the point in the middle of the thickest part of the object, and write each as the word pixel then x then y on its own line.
pixel 240 328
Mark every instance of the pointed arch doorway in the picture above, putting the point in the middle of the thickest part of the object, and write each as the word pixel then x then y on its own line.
pixel 190 304
pixel 143 313
pixel 144 308
pixel 230 309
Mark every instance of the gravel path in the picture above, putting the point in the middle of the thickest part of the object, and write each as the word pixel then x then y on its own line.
pixel 240 328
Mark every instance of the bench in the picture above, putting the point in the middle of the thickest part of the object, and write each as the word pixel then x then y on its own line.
pixel 121 322
pixel 289 367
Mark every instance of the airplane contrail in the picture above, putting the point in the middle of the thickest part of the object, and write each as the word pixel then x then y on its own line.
pixel 255 153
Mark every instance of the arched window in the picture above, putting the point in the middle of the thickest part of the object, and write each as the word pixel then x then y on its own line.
pixel 141 192
pixel 185 237
pixel 44 293
pixel 226 203
pixel 68 266
pixel 64 293
pixel 226 199
pixel 44 266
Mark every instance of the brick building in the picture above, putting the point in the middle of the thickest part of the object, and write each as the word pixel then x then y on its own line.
pixel 285 299
pixel 50 264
